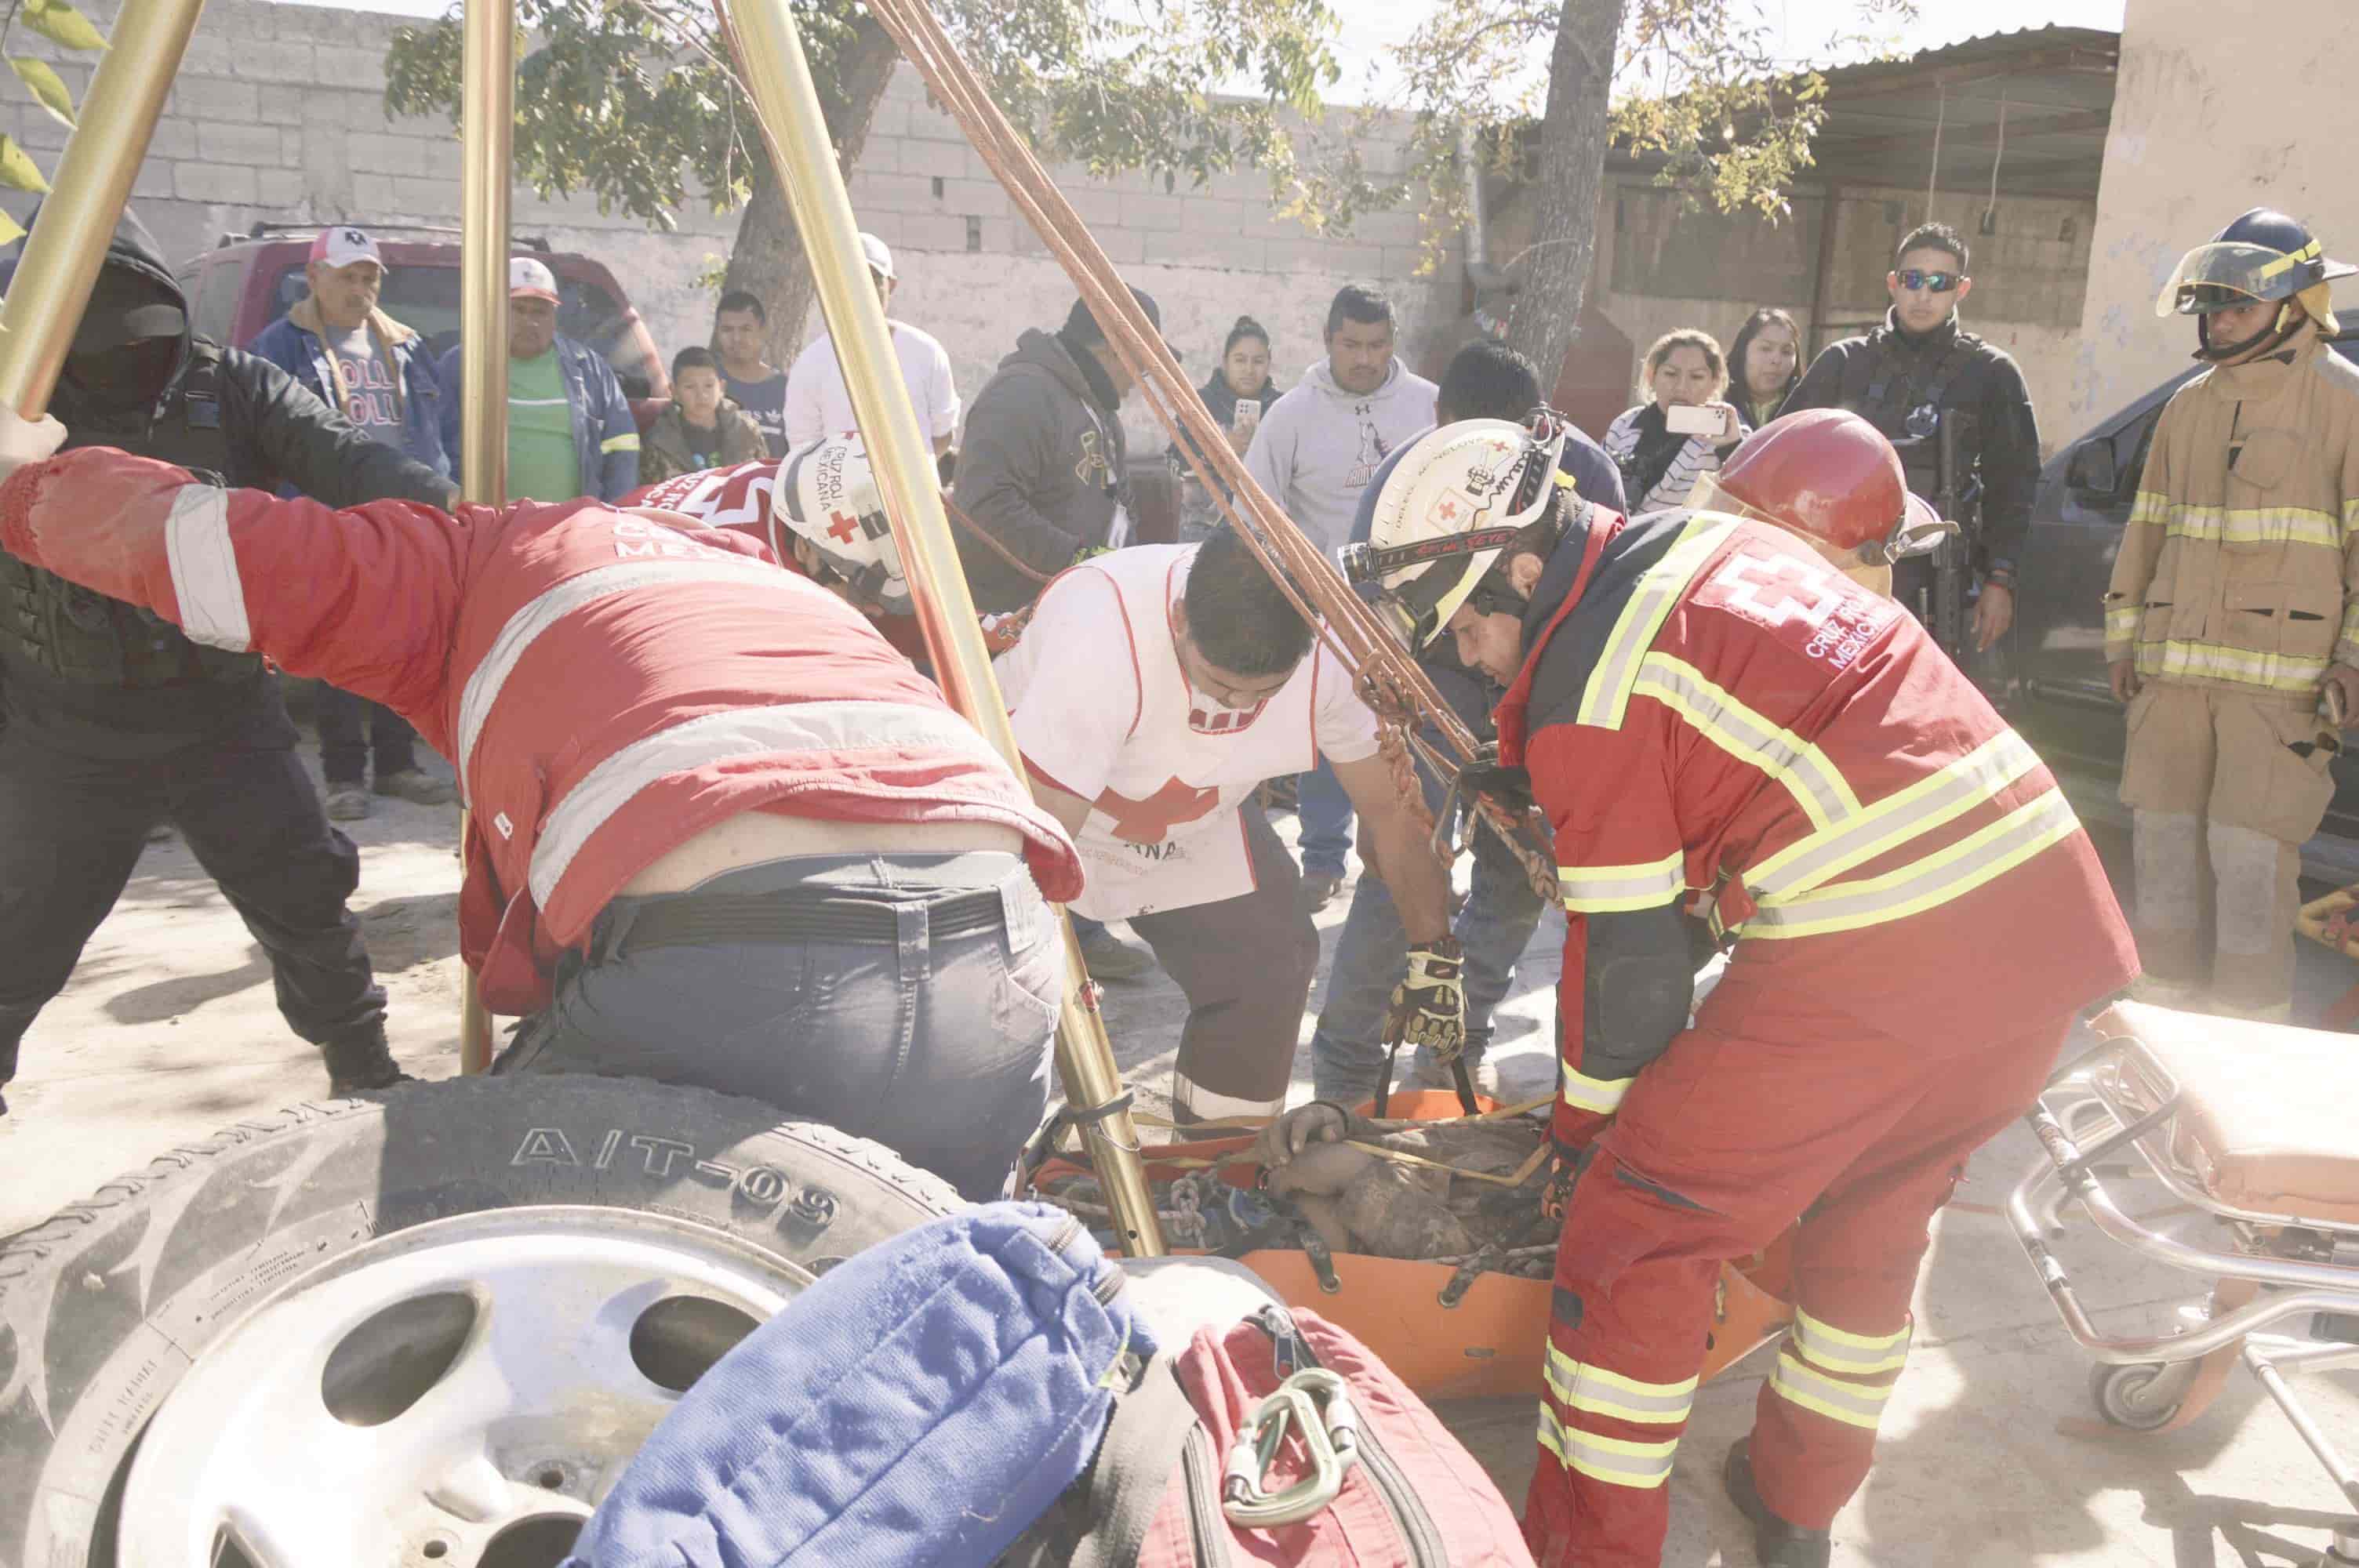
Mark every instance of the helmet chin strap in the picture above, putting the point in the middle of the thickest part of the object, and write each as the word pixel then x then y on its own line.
pixel 2289 316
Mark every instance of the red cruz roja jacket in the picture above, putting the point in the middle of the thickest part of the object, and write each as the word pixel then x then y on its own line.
pixel 608 685
pixel 1714 717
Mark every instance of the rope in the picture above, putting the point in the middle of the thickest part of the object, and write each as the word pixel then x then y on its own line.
pixel 1387 678
pixel 1001 551
pixel 1521 1174
pixel 1997 157
pixel 1940 115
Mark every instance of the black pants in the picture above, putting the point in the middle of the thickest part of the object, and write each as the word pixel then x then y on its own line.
pixel 71 828
pixel 344 750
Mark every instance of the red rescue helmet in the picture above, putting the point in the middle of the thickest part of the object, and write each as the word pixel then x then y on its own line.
pixel 1830 476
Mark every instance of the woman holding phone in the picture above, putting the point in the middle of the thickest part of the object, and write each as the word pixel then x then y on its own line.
pixel 1682 428
pixel 1236 393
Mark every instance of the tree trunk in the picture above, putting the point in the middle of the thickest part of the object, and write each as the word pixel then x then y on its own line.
pixel 767 259
pixel 1555 271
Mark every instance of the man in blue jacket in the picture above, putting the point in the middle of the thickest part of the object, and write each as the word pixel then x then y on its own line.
pixel 571 432
pixel 376 372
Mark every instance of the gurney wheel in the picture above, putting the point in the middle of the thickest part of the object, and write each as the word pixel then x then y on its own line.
pixel 2137 1398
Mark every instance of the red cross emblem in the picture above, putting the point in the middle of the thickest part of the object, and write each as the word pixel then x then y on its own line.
pixel 1449 509
pixel 843 528
pixel 1150 821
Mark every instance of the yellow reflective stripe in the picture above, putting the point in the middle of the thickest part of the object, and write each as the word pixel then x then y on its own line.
pixel 2123 623
pixel 1812 777
pixel 2351 618
pixel 2350 515
pixel 1606 697
pixel 1928 883
pixel 1839 1350
pixel 2212 661
pixel 1923 806
pixel 1847 1402
pixel 1593 1389
pixel 2255 524
pixel 1582 1092
pixel 1601 889
pixel 2151 507
pixel 629 443
pixel 1616 1461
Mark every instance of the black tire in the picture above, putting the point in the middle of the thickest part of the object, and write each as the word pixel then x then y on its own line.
pixel 103 1307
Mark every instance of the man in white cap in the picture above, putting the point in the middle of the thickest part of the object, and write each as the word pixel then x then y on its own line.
pixel 571 432
pixel 376 372
pixel 818 402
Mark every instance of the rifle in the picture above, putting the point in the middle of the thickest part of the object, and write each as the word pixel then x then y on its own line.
pixel 1950 560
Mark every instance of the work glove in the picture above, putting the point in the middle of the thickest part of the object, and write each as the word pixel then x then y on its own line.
pixel 24 441
pixel 1510 787
pixel 1429 1006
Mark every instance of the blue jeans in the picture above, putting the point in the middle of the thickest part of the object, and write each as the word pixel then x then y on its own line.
pixel 1325 812
pixel 935 1046
pixel 1347 1051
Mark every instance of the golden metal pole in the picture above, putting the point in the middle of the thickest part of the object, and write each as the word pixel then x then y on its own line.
pixel 487 129
pixel 771 55
pixel 85 200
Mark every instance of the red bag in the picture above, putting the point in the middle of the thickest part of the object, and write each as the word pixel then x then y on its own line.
pixel 1413 1498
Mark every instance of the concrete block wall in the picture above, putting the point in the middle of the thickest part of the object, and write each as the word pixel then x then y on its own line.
pixel 277 114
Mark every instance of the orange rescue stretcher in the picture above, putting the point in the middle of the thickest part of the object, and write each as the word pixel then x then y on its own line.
pixel 1448 1333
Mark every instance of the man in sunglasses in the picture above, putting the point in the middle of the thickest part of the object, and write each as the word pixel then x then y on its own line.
pixel 1918 371
pixel 1722 715
pixel 2231 621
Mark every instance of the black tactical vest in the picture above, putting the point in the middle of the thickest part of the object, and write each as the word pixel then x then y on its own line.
pixel 90 639
pixel 1885 384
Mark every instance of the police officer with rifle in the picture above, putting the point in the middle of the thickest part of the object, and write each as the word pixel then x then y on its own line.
pixel 113 719
pixel 1957 412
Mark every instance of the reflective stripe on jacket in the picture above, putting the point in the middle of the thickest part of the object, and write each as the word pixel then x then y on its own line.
pixel 605 433
pixel 2238 565
pixel 609 685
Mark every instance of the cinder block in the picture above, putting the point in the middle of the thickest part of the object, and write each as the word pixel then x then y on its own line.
pixel 1401 226
pixel 374 152
pixel 208 55
pixel 1098 208
pixel 933 232
pixel 153 182
pixel 1144 212
pixel 281 109
pixel 1124 247
pixel 433 200
pixel 223 183
pixel 37 133
pixel 933 160
pixel 892 193
pixel 216 98
pixel 279 61
pixel 344 63
pixel 929 124
pixel 1401 261
pixel 255 144
pixel 891 119
pixel 1203 249
pixel 373 198
pixel 1337 258
pixel 282 190
pixel 977 198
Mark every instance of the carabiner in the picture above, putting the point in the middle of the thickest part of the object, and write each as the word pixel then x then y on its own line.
pixel 1318 1403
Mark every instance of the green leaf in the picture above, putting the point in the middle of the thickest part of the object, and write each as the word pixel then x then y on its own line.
pixel 11 231
pixel 18 170
pixel 46 85
pixel 62 24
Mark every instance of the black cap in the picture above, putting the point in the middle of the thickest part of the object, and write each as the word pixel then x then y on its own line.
pixel 1081 325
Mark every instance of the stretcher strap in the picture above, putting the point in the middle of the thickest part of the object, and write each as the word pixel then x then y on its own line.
pixel 1521 1174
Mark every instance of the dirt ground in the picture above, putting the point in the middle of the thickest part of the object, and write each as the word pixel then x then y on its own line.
pixel 168 1032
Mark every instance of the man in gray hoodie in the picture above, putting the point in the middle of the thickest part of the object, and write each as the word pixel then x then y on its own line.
pixel 1316 450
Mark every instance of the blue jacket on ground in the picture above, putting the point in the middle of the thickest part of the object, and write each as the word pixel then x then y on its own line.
pixel 296 343
pixel 605 435
pixel 921 1404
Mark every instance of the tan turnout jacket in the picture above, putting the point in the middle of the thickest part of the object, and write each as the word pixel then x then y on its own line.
pixel 2240 565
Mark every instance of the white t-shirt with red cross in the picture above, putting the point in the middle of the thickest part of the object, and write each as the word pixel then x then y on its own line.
pixel 1103 711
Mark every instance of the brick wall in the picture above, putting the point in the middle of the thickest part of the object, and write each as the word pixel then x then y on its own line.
pixel 278 114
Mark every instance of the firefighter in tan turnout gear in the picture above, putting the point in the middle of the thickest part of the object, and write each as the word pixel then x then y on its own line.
pixel 2232 622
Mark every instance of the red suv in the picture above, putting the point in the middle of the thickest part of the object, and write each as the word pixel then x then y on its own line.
pixel 242 285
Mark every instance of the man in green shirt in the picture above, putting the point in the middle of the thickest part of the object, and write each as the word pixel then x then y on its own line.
pixel 570 431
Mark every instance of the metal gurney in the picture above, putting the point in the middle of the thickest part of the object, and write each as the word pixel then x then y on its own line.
pixel 2256 1124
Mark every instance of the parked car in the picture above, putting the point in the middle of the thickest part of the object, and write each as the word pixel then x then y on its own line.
pixel 244 284
pixel 2061 697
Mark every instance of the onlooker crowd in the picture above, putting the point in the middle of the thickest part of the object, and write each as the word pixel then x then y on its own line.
pixel 1665 444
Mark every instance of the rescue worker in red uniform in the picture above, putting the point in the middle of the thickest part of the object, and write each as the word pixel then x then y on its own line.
pixel 720 833
pixel 1714 716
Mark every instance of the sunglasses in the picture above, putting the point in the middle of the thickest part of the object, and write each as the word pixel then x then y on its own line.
pixel 1939 282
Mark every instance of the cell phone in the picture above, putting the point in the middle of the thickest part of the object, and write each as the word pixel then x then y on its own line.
pixel 1248 415
pixel 1687 419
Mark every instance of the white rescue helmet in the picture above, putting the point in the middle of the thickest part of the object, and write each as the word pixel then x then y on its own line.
pixel 827 497
pixel 1455 499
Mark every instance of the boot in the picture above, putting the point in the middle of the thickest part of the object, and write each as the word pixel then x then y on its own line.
pixel 1776 1544
pixel 361 1061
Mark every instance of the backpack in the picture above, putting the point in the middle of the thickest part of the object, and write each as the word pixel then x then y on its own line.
pixel 920 1403
pixel 1412 1498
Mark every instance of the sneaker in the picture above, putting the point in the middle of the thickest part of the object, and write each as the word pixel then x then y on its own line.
pixel 347 802
pixel 360 1062
pixel 1776 1544
pixel 1318 891
pixel 1425 1073
pixel 1112 958
pixel 416 786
